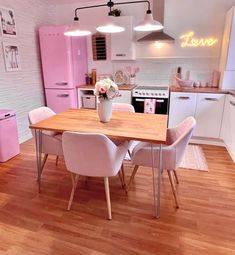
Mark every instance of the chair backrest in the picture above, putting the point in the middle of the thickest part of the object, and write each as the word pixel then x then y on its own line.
pixel 178 138
pixel 90 154
pixel 40 114
pixel 122 107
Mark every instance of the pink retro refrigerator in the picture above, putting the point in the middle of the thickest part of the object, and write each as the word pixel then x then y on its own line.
pixel 64 65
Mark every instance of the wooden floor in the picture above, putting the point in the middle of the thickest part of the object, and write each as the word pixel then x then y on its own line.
pixel 32 223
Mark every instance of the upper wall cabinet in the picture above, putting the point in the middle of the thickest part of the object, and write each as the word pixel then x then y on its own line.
pixel 122 44
pixel 227 60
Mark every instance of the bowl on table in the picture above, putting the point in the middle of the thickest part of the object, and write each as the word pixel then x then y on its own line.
pixel 184 83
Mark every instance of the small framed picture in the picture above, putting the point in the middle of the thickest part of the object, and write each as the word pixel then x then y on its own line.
pixel 12 58
pixel 7 22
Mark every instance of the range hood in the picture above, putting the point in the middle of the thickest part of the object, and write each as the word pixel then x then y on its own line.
pixel 158 14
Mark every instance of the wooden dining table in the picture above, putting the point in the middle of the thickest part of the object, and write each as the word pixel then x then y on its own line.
pixel 123 125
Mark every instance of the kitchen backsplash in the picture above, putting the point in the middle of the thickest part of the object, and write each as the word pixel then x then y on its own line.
pixel 161 71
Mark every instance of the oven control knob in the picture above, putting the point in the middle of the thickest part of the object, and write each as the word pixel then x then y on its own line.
pixel 144 94
pixel 156 94
pixel 140 93
pixel 160 94
pixel 152 94
pixel 147 94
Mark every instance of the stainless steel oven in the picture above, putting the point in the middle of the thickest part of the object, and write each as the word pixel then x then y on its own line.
pixel 159 93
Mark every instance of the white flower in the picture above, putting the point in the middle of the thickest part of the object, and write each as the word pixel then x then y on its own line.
pixel 106 89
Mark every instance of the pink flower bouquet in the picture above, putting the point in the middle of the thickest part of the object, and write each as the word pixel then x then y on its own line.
pixel 106 89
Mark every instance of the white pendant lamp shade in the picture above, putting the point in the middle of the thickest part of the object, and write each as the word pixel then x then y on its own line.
pixel 110 26
pixel 75 30
pixel 148 24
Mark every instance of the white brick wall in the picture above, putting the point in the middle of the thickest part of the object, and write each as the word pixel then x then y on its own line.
pixel 23 90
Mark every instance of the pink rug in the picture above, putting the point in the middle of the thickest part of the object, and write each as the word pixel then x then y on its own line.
pixel 194 158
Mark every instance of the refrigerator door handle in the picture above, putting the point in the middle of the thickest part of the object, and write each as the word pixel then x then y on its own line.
pixel 62 95
pixel 62 83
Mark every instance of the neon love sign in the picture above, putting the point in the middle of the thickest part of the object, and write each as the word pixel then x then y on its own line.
pixel 188 40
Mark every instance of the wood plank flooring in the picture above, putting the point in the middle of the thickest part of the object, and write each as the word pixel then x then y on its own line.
pixel 33 223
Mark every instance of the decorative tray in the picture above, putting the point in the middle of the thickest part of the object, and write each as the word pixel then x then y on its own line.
pixel 120 77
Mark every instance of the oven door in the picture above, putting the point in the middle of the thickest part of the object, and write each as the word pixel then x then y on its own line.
pixel 161 105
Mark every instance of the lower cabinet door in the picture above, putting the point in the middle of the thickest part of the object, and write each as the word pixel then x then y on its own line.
pixel 209 113
pixel 232 126
pixel 182 105
pixel 61 100
pixel 125 97
pixel 225 133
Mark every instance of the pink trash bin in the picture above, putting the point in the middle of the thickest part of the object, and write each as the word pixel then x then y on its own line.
pixel 9 143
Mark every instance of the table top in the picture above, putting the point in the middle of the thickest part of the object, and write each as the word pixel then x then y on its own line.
pixel 123 125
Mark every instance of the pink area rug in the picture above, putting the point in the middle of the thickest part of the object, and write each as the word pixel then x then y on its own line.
pixel 194 158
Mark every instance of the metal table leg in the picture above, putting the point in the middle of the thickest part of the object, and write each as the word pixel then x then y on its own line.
pixel 38 140
pixel 157 182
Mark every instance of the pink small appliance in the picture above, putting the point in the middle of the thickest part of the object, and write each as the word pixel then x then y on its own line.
pixel 9 143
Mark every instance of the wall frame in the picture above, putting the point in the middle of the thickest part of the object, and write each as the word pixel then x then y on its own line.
pixel 11 56
pixel 7 22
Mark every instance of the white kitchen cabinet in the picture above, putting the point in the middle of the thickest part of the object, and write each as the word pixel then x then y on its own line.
pixel 227 59
pixel 228 125
pixel 232 125
pixel 182 105
pixel 225 133
pixel 209 113
pixel 125 97
pixel 122 44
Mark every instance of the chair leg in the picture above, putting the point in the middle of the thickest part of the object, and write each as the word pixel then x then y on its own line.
pixel 123 176
pixel 173 187
pixel 176 177
pixel 74 183
pixel 107 193
pixel 120 177
pixel 43 163
pixel 129 153
pixel 56 162
pixel 132 177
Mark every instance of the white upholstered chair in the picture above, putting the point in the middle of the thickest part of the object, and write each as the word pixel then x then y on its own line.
pixel 122 107
pixel 177 141
pixel 51 141
pixel 92 155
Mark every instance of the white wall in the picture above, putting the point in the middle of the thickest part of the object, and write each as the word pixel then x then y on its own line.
pixel 205 18
pixel 23 90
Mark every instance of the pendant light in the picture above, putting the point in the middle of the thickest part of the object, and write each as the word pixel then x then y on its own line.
pixel 75 30
pixel 148 24
pixel 110 26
